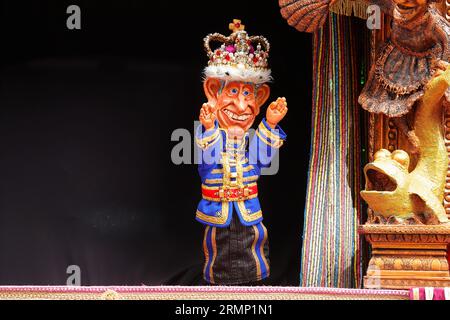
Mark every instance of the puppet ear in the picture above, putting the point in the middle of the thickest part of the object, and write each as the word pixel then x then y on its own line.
pixel 305 15
pixel 212 87
pixel 262 94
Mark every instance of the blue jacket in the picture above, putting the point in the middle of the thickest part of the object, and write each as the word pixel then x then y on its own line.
pixel 224 164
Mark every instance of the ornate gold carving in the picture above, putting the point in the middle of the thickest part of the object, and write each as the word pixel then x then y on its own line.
pixel 401 230
pixel 414 263
pixel 392 136
pixel 446 124
pixel 406 256
pixel 404 283
pixel 391 190
pixel 417 249
pixel 110 295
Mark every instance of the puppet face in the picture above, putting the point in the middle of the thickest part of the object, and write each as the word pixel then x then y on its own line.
pixel 236 104
pixel 407 10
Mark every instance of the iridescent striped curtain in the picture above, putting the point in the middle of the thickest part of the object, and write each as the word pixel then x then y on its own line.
pixel 331 252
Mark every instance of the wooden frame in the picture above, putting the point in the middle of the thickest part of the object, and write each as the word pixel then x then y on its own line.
pixel 195 293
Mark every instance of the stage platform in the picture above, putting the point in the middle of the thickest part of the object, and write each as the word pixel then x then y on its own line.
pixel 194 293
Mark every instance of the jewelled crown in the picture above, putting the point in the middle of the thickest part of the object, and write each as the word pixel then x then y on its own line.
pixel 239 57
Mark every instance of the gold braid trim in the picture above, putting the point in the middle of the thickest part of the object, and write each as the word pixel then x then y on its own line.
pixel 213 181
pixel 276 141
pixel 226 181
pixel 246 169
pixel 240 174
pixel 268 133
pixel 245 215
pixel 221 217
pixel 275 145
pixel 240 181
pixel 172 294
pixel 207 141
pixel 250 179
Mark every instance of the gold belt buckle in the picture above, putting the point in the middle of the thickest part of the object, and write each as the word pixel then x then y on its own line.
pixel 243 193
pixel 246 191
pixel 221 194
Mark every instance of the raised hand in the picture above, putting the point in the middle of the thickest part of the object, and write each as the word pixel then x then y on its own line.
pixel 276 112
pixel 207 116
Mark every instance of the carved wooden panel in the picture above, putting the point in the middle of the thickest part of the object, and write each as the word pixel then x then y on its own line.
pixel 382 132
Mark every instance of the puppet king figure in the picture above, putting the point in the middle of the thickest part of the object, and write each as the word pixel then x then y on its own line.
pixel 235 241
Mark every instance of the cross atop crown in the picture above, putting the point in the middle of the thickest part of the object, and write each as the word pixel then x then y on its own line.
pixel 236 25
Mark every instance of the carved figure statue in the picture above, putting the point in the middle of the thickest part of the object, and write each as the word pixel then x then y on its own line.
pixel 418 46
pixel 400 196
pixel 407 83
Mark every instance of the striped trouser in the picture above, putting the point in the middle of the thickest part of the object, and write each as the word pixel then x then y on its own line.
pixel 236 254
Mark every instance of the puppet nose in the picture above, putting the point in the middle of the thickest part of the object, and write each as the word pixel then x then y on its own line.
pixel 242 105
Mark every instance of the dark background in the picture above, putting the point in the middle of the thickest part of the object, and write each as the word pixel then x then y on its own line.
pixel 86 118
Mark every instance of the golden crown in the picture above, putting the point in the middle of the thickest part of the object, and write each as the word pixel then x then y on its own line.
pixel 239 57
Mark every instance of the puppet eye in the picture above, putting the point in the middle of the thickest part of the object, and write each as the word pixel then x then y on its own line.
pixel 234 91
pixel 246 93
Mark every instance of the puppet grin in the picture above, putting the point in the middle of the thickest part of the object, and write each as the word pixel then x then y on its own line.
pixel 235 117
pixel 236 124
pixel 230 119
